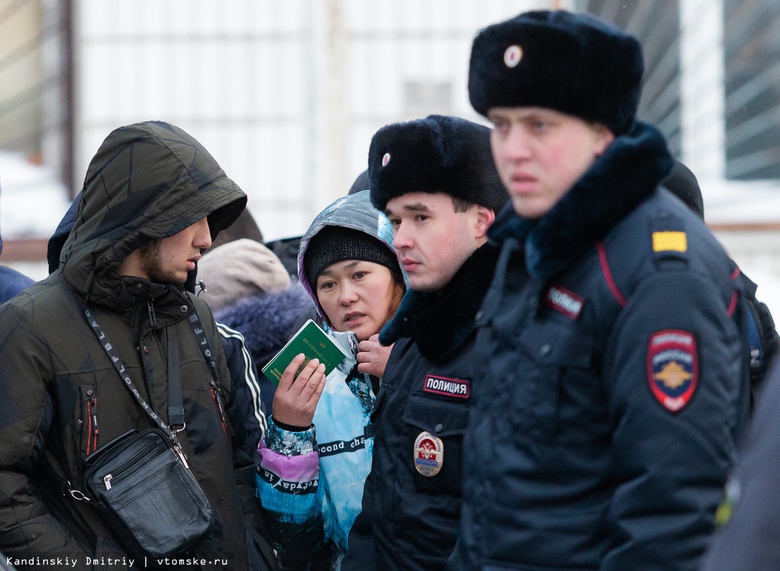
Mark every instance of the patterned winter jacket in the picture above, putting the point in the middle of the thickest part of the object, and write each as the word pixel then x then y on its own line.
pixel 310 482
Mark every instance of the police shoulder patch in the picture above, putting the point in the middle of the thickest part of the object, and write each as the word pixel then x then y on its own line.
pixel 672 367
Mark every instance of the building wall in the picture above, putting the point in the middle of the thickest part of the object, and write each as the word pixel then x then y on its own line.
pixel 21 75
pixel 286 94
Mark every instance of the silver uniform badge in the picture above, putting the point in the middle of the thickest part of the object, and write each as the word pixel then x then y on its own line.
pixel 428 454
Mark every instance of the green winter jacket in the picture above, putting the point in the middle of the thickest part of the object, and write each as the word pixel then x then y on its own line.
pixel 60 395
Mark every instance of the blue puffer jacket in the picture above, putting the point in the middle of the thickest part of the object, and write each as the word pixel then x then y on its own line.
pixel 11 281
pixel 310 483
pixel 615 384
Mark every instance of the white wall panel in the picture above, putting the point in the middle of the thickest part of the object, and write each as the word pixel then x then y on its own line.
pixel 286 94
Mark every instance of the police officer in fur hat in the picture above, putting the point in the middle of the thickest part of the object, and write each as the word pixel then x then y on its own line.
pixel 435 180
pixel 613 385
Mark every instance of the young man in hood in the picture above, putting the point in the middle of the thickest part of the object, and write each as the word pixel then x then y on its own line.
pixel 435 180
pixel 153 200
pixel 614 383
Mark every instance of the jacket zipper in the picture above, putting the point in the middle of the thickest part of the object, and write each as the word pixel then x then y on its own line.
pixel 92 422
pixel 217 396
pixel 115 476
pixel 152 314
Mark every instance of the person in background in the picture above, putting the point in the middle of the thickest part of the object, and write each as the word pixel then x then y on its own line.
pixel 434 179
pixel 138 234
pixel 748 536
pixel 11 280
pixel 615 383
pixel 317 450
pixel 763 340
pixel 250 293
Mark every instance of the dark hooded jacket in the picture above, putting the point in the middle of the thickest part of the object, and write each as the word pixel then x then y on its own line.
pixel 60 394
pixel 615 384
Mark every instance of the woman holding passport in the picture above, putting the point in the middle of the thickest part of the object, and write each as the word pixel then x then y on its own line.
pixel 317 450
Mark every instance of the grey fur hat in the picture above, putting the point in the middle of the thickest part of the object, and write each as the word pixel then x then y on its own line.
pixel 239 269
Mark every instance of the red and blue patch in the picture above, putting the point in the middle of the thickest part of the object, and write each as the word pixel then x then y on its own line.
pixel 564 301
pixel 672 367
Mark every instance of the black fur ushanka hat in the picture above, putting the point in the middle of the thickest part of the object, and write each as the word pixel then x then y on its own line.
pixel 435 154
pixel 573 63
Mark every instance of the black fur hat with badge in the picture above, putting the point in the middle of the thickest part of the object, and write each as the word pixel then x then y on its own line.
pixel 573 63
pixel 435 154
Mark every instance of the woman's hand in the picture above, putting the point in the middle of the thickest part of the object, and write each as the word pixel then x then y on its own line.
pixel 372 357
pixel 296 398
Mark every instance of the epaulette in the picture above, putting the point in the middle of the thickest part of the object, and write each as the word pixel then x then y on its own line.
pixel 669 241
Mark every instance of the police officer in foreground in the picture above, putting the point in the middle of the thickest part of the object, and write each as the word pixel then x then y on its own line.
pixel 435 180
pixel 614 383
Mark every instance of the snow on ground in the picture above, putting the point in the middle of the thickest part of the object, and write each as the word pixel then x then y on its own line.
pixel 32 200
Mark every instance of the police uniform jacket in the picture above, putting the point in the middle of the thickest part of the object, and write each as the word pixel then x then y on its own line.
pixel 411 503
pixel 614 383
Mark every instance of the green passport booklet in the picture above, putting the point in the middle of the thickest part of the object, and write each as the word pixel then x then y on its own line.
pixel 313 342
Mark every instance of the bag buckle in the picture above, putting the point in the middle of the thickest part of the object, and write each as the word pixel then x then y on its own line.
pixel 176 428
pixel 77 495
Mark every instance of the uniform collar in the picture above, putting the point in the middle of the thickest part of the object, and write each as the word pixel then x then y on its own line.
pixel 441 322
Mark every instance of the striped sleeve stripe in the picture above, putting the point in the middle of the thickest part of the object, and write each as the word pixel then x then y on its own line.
pixel 249 374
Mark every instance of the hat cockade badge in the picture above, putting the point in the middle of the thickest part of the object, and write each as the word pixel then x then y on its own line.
pixel 513 55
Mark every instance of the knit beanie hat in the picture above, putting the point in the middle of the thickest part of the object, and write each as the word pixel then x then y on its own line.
pixel 435 154
pixel 573 63
pixel 239 269
pixel 335 244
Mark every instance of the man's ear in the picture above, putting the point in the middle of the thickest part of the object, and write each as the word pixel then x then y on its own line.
pixel 484 218
pixel 604 138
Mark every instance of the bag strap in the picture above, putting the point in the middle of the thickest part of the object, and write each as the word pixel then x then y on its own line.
pixel 175 395
pixel 120 367
pixel 203 343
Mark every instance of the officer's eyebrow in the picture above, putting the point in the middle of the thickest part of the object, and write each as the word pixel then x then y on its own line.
pixel 414 207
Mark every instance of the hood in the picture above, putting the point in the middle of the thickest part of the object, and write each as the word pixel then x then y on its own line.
pixel 147 181
pixel 353 211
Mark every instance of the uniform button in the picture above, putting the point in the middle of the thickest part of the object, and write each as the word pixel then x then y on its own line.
pixel 183 309
pixel 478 316
pixel 545 349
pixel 438 428
pixel 138 285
